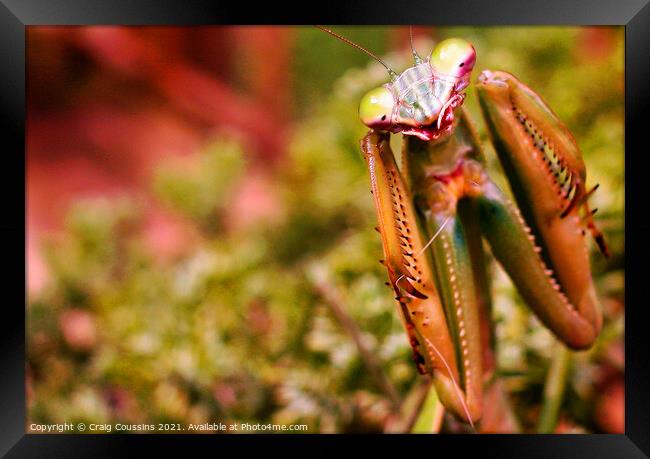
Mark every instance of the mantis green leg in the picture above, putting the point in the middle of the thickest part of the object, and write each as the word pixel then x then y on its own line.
pixel 455 279
pixel 513 245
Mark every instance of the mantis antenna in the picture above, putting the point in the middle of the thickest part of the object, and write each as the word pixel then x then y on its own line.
pixel 391 72
pixel 416 56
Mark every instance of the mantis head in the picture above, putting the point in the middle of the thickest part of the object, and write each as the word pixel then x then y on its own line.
pixel 424 110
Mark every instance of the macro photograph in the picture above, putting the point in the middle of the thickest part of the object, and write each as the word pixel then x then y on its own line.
pixel 325 229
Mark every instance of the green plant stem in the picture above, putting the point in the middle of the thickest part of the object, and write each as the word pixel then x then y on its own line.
pixel 554 389
pixel 430 414
pixel 333 299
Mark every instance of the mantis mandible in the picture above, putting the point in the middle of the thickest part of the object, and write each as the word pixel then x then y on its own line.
pixel 434 211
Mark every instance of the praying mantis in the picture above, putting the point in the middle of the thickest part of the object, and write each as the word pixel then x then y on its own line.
pixel 434 211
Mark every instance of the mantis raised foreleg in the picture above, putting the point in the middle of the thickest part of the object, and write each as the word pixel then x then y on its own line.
pixel 546 172
pixel 454 364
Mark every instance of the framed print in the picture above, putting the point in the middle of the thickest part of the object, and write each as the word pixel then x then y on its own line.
pixel 208 191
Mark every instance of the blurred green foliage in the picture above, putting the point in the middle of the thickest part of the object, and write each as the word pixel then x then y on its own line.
pixel 239 330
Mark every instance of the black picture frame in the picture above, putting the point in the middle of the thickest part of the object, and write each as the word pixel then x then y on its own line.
pixel 15 15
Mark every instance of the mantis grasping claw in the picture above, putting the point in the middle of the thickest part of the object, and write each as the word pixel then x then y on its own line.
pixel 434 210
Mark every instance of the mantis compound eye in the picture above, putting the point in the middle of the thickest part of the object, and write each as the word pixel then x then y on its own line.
pixel 376 108
pixel 454 57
